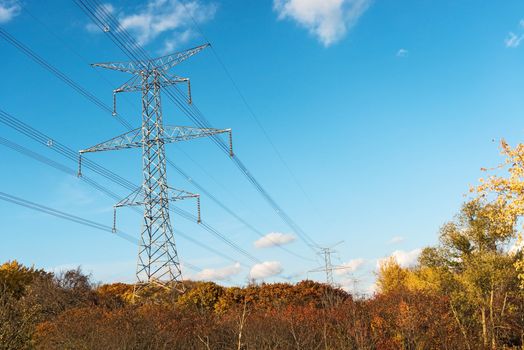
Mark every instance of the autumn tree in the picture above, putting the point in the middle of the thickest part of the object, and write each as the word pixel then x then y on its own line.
pixel 391 276
pixel 15 277
pixel 472 268
pixel 505 188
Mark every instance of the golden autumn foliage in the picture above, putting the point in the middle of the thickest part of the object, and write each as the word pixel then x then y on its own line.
pixel 474 274
pixel 203 296
pixel 505 190
pixel 14 277
pixel 391 276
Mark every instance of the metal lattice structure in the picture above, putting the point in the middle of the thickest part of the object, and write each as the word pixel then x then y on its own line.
pixel 158 261
pixel 328 267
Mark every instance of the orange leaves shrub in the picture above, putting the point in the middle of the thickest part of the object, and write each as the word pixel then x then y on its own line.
pixel 68 312
pixel 134 327
pixel 410 320
pixel 281 295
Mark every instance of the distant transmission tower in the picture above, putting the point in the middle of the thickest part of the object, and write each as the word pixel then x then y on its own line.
pixel 158 261
pixel 328 267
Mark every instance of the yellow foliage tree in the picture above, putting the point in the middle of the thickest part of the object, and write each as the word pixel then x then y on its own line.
pixel 506 192
pixel 203 296
pixel 14 277
pixel 391 276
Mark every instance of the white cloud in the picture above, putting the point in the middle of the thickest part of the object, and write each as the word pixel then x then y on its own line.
pixel 403 258
pixel 397 239
pixel 8 10
pixel 172 44
pixel 171 19
pixel 328 20
pixel 164 16
pixel 266 269
pixel 350 266
pixel 513 40
pixel 219 274
pixel 402 53
pixel 274 239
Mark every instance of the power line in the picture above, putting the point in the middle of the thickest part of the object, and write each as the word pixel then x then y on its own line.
pixel 47 161
pixel 24 49
pixel 188 216
pixel 51 143
pixel 247 105
pixel 124 41
pixel 58 166
pixel 60 75
pixel 62 215
pixel 158 261
pixel 208 248
pixel 43 139
pixel 58 147
pixel 73 218
pixel 328 267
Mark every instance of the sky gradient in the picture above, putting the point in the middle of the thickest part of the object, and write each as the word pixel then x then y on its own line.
pixel 384 111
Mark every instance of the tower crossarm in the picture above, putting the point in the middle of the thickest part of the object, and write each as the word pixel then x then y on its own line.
pixel 163 63
pixel 323 269
pixel 342 267
pixel 130 139
pixel 320 269
pixel 170 134
pixel 158 261
pixel 137 198
pixel 135 83
pixel 184 133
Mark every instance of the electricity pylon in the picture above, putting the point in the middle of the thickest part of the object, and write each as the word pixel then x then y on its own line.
pixel 158 261
pixel 328 267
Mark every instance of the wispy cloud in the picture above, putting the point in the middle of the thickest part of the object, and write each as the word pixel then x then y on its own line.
pixel 397 240
pixel 403 258
pixel 274 239
pixel 513 40
pixel 8 10
pixel 401 53
pixel 350 266
pixel 327 20
pixel 266 269
pixel 170 19
pixel 219 274
pixel 74 193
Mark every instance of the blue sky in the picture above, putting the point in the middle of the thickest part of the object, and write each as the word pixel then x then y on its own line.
pixel 385 111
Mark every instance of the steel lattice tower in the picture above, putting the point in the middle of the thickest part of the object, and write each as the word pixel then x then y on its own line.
pixel 328 267
pixel 158 261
